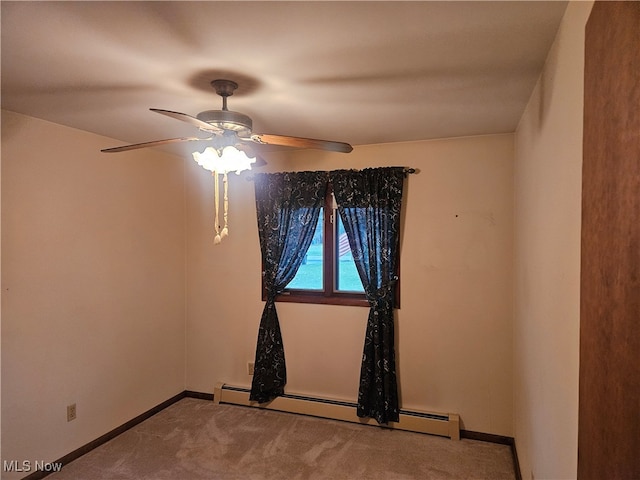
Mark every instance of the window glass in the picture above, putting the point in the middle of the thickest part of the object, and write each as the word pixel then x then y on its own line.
pixel 347 278
pixel 309 275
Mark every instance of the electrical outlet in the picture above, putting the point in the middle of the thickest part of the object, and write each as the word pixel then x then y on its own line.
pixel 71 412
pixel 250 368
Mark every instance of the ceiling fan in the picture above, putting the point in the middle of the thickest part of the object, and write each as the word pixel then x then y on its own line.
pixel 227 128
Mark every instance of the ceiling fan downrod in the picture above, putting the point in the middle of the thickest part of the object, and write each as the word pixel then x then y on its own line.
pixel 224 88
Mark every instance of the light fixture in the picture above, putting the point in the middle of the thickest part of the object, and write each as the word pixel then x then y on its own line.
pixel 220 161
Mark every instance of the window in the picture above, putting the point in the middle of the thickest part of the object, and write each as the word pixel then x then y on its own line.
pixel 328 274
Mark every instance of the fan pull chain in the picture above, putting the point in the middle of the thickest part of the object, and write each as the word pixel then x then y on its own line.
pixel 225 230
pixel 217 238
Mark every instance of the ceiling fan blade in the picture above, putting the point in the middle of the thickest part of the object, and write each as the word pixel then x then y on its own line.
pixel 155 143
pixel 189 119
pixel 299 142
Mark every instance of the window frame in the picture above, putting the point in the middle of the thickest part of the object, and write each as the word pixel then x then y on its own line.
pixel 328 295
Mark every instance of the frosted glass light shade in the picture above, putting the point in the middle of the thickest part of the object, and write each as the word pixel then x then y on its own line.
pixel 232 160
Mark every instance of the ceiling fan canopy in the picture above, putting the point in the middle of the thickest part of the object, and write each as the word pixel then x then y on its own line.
pixel 228 128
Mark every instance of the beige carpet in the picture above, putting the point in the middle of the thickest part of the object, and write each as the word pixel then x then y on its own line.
pixel 197 439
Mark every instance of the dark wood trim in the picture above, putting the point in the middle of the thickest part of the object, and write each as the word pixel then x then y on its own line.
pixel 500 439
pixel 328 247
pixel 306 296
pixel 198 395
pixel 486 437
pixel 70 457
pixel 609 370
pixel 516 462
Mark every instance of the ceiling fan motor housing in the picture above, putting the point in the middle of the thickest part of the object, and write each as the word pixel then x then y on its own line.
pixel 228 120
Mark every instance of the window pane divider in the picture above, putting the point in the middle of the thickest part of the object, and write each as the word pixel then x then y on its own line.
pixel 327 246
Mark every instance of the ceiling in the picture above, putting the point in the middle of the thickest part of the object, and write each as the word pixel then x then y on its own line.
pixel 358 72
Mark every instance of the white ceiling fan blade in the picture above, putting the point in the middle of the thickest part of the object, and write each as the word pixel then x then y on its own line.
pixel 189 119
pixel 155 143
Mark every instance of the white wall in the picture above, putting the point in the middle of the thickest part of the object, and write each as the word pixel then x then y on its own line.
pixel 454 327
pixel 547 209
pixel 92 286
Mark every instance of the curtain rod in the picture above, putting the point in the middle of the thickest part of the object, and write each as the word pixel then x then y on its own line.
pixel 406 171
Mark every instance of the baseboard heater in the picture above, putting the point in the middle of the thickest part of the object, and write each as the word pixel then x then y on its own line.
pixel 445 425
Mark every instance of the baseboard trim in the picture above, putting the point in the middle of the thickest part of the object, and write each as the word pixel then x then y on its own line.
pixel 70 457
pixel 486 437
pixel 516 462
pixel 501 439
pixel 199 395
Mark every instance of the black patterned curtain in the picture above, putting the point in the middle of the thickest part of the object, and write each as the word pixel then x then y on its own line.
pixel 369 203
pixel 288 205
